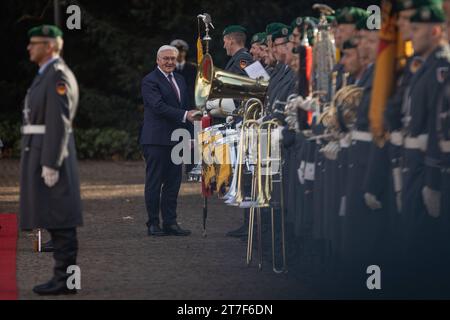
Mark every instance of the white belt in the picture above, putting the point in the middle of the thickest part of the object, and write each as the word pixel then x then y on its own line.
pixel 33 129
pixel 361 136
pixel 445 146
pixel 309 171
pixel 396 138
pixel 419 142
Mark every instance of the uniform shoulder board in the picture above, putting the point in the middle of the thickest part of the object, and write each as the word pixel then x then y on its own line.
pixel 441 74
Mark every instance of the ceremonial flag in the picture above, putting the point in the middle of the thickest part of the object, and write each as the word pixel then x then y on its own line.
pixel 199 50
pixel 385 70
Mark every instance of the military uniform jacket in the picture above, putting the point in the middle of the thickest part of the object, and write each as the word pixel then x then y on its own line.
pixel 281 85
pixel 436 120
pixel 239 61
pixel 51 101
pixel 419 116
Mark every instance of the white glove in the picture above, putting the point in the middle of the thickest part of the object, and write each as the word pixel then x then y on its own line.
pixel 50 176
pixel 372 201
pixel 212 104
pixel 432 200
pixel 331 150
pixel 227 105
pixel 346 140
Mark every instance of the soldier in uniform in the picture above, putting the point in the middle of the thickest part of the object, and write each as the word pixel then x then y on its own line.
pixel 385 189
pixel 426 241
pixel 346 21
pixel 336 153
pixel 234 38
pixel 278 67
pixel 256 49
pixel 281 84
pixel 363 228
pixel 49 186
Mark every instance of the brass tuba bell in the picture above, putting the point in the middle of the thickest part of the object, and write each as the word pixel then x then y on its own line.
pixel 214 83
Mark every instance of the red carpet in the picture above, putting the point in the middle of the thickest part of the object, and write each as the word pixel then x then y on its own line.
pixel 8 242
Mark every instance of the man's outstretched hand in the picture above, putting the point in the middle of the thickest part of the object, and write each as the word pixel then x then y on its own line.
pixel 194 115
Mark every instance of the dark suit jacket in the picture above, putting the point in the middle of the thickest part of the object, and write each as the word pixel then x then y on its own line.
pixel 163 113
pixel 189 74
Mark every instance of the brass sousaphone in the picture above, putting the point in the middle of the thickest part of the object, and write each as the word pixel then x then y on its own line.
pixel 214 83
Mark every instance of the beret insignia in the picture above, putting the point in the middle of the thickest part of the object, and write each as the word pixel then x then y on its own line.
pixel 425 14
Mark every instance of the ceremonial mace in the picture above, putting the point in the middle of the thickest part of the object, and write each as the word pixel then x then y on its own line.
pixel 207 21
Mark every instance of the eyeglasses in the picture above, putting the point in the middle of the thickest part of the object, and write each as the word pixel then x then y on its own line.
pixel 32 43
pixel 167 59
pixel 279 44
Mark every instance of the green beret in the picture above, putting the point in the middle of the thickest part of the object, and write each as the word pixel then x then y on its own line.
pixel 48 31
pixel 297 22
pixel 274 26
pixel 414 4
pixel 306 23
pixel 350 15
pixel 259 37
pixel 234 28
pixel 284 32
pixel 429 14
pixel 361 24
pixel 351 43
pixel 331 19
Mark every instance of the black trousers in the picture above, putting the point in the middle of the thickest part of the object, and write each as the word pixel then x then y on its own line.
pixel 65 244
pixel 162 184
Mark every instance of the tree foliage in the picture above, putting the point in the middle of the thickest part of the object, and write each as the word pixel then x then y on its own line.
pixel 117 46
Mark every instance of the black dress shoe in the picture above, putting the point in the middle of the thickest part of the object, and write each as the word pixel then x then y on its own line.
pixel 175 230
pixel 155 231
pixel 47 247
pixel 53 287
pixel 242 231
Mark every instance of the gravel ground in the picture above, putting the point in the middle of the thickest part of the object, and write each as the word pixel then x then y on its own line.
pixel 119 261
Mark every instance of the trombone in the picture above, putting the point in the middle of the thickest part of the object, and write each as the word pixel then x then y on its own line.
pixel 263 190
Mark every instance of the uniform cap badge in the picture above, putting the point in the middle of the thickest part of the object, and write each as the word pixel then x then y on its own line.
pixel 425 14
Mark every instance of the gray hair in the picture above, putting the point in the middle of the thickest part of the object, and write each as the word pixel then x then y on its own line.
pixel 167 48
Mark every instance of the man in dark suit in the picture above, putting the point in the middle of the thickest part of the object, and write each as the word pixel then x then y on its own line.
pixel 165 110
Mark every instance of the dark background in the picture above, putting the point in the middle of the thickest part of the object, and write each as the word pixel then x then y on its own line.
pixel 114 49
